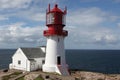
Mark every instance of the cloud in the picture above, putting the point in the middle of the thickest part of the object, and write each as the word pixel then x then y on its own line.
pixel 5 4
pixel 34 13
pixel 104 39
pixel 31 10
pixel 86 17
pixel 118 24
pixel 92 16
pixel 15 35
pixel 38 16
pixel 87 27
pixel 18 35
pixel 95 38
pixel 2 17
pixel 98 0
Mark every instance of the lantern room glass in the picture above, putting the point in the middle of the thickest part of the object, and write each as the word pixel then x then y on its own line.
pixel 50 18
pixel 64 19
pixel 53 18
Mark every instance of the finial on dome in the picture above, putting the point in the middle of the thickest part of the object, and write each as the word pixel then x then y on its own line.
pixel 56 5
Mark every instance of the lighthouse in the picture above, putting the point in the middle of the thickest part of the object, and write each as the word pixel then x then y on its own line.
pixel 55 52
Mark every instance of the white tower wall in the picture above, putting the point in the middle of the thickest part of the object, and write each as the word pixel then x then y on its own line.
pixel 54 48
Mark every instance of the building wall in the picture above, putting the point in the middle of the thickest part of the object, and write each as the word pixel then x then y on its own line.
pixel 25 64
pixel 36 64
pixel 33 65
pixel 39 62
pixel 19 61
pixel 28 65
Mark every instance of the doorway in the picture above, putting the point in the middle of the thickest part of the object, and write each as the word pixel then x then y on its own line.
pixel 58 60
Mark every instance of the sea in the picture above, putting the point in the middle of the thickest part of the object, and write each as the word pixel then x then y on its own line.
pixel 103 61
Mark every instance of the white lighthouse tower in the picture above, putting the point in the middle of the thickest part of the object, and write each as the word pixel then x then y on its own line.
pixel 55 53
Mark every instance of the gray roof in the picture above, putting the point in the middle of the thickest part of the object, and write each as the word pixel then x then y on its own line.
pixel 33 52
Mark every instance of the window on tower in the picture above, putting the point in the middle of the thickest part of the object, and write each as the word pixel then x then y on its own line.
pixel 50 18
pixel 58 39
pixel 63 19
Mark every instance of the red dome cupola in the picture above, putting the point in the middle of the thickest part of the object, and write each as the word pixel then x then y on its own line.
pixel 55 20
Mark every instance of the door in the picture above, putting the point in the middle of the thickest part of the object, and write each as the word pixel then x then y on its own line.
pixel 58 60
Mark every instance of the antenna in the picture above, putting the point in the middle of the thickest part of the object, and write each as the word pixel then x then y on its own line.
pixel 65 11
pixel 49 8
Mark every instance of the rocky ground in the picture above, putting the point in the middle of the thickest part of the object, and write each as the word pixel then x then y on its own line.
pixel 75 75
pixel 83 75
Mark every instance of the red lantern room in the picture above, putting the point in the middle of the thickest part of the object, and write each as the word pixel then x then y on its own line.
pixel 55 20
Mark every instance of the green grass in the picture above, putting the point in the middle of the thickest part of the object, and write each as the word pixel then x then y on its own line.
pixel 7 77
pixel 39 78
pixel 21 78
pixel 17 73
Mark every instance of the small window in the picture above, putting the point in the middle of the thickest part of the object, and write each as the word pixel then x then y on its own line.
pixel 58 39
pixel 43 61
pixel 19 62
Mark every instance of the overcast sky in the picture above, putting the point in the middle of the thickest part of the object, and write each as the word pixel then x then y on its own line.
pixel 92 24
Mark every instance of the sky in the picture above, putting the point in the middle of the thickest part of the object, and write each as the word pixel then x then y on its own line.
pixel 91 24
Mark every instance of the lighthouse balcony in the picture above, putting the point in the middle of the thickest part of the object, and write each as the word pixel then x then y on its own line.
pixel 51 32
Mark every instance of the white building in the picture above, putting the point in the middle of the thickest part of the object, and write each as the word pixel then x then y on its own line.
pixel 28 59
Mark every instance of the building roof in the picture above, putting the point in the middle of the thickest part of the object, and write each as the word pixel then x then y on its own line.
pixel 33 52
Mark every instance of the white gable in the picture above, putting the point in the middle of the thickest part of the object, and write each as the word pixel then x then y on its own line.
pixel 43 48
pixel 20 61
pixel 19 54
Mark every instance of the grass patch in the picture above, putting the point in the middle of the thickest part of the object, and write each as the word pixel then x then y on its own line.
pixel 7 77
pixel 21 78
pixel 17 73
pixel 39 78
